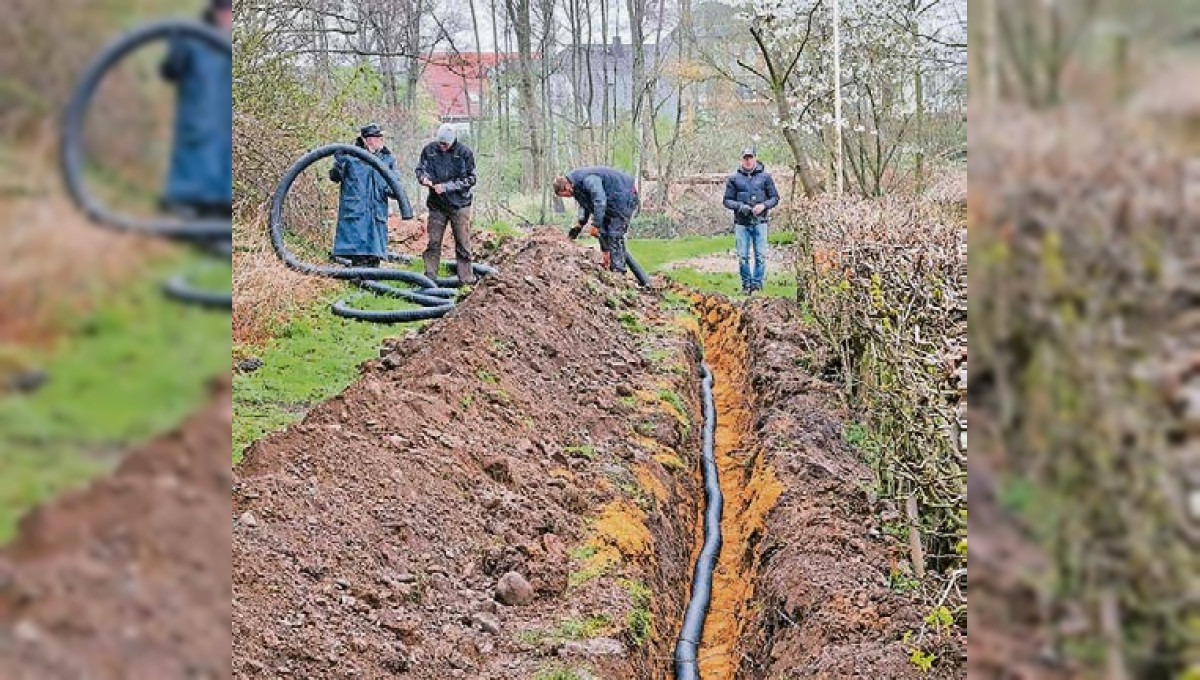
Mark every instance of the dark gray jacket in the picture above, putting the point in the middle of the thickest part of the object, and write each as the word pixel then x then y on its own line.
pixel 454 168
pixel 746 188
pixel 603 193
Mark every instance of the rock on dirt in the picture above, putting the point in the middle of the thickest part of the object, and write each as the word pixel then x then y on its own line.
pixel 487 622
pixel 128 578
pixel 514 590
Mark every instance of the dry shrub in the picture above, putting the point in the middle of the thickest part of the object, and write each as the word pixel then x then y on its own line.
pixel 57 266
pixel 885 281
pixel 265 292
pixel 1084 352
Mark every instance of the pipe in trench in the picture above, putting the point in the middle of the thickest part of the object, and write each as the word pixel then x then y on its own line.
pixel 213 235
pixel 687 645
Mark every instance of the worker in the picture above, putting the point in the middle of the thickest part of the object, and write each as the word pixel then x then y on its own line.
pixel 447 169
pixel 609 199
pixel 200 175
pixel 750 193
pixel 362 227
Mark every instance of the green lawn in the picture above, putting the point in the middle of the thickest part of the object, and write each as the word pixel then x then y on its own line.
pixel 311 358
pixel 653 254
pixel 136 367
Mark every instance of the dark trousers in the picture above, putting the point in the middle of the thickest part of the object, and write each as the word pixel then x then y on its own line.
pixel 460 226
pixel 612 241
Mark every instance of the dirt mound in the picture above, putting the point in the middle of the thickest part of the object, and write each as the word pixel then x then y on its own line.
pixel 127 578
pixel 820 562
pixel 505 493
pixel 412 236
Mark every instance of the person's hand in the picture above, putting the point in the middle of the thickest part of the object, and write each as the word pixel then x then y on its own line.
pixel 758 209
pixel 425 182
pixel 594 232
pixel 438 188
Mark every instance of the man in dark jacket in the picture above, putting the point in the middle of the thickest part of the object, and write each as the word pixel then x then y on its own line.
pixel 750 193
pixel 447 168
pixel 607 196
pixel 200 177
pixel 362 226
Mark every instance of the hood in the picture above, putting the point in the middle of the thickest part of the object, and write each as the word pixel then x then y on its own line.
pixel 758 167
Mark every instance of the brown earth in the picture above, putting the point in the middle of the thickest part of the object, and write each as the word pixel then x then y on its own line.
pixel 530 437
pixel 529 432
pixel 819 564
pixel 127 578
pixel 412 236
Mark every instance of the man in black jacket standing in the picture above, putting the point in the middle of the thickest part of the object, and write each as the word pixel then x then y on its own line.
pixel 750 193
pixel 447 168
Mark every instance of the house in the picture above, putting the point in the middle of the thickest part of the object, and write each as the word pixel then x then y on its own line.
pixel 459 82
pixel 604 66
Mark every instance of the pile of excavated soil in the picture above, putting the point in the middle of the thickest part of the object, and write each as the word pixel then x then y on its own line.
pixel 819 563
pixel 412 236
pixel 128 577
pixel 505 493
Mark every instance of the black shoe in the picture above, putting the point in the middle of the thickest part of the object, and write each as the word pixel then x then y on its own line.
pixel 747 290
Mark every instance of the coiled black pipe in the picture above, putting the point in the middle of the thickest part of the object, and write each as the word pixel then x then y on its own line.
pixel 210 233
pixel 687 665
pixel 434 294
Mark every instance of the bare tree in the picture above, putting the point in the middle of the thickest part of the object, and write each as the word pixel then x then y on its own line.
pixel 520 15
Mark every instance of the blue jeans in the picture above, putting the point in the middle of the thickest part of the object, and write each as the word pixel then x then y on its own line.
pixel 746 237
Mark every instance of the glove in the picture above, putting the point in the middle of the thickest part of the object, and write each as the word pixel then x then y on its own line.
pixel 575 231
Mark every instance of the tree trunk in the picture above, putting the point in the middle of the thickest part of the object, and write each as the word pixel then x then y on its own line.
pixel 521 16
pixel 637 40
pixel 799 156
pixel 606 47
pixel 478 74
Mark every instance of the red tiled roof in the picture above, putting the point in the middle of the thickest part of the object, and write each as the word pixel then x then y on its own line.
pixel 451 78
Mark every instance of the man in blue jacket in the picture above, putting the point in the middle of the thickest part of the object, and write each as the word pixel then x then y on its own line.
pixel 200 176
pixel 750 193
pixel 609 198
pixel 447 169
pixel 362 226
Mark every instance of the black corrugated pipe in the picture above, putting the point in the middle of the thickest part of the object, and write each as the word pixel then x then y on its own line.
pixel 213 234
pixel 643 279
pixel 687 665
pixel 434 295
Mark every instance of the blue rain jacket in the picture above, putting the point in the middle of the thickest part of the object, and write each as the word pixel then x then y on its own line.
pixel 362 226
pixel 201 165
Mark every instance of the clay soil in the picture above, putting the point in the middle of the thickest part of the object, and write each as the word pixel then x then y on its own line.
pixel 529 433
pixel 819 562
pixel 127 578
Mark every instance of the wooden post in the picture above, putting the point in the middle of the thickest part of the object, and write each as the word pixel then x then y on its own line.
pixel 1110 626
pixel 837 94
pixel 914 537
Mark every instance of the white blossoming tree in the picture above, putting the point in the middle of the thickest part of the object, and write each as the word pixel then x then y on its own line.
pixel 885 45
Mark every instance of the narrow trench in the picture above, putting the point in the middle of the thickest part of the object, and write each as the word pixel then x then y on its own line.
pixel 748 484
